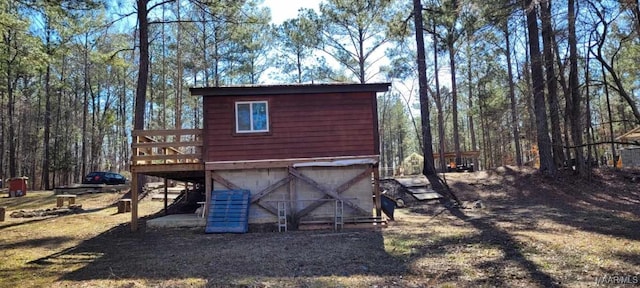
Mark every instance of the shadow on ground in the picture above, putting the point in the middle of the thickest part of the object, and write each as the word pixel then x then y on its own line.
pixel 521 201
pixel 158 255
pixel 595 205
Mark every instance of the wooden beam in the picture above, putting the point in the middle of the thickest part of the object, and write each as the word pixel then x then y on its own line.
pixel 292 202
pixel 181 167
pixel 322 189
pixel 309 181
pixel 278 163
pixel 136 158
pixel 208 187
pixel 166 195
pixel 365 174
pixel 271 210
pixel 271 188
pixel 167 144
pixel 134 202
pixel 223 181
pixel 150 133
pixel 376 190
pixel 313 206
pixel 256 197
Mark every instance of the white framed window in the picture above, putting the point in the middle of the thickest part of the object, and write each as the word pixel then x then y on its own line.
pixel 252 116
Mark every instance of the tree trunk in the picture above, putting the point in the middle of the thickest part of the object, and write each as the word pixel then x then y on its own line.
pixel 552 87
pixel 526 73
pixel 151 90
pixel 143 76
pixel 8 40
pixel 47 110
pixel 438 99
pixel 485 145
pixel 96 133
pixel 428 169
pixel 163 122
pixel 299 66
pixel 2 131
pixel 85 104
pixel 427 149
pixel 565 89
pixel 610 115
pixel 143 71
pixel 635 9
pixel 179 74
pixel 537 80
pixel 123 119
pixel 361 63
pixel 383 130
pixel 216 62
pixel 512 97
pixel 491 155
pixel 472 129
pixel 57 178
pixel 591 136
pixel 454 96
pixel 576 99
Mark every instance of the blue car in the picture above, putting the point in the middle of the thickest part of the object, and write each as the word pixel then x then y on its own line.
pixel 108 178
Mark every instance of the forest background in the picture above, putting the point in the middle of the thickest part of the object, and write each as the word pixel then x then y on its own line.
pixel 511 79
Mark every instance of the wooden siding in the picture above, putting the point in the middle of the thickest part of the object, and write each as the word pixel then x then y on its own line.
pixel 301 126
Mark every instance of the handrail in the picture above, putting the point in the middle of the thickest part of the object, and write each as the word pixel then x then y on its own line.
pixel 151 147
pixel 165 132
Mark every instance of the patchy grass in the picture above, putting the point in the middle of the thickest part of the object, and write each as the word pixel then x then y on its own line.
pixel 25 242
pixel 533 232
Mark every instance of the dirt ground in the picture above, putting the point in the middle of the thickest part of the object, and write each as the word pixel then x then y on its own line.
pixel 517 229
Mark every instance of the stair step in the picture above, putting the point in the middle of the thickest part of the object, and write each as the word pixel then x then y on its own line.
pixel 170 190
pixel 160 197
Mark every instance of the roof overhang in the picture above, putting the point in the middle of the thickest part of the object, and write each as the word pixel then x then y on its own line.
pixel 289 89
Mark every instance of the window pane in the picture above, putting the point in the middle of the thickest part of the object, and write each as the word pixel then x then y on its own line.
pixel 259 116
pixel 244 117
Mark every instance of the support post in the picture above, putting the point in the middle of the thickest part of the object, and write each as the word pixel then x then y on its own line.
pixel 293 202
pixel 134 202
pixel 208 187
pixel 376 190
pixel 186 190
pixel 166 195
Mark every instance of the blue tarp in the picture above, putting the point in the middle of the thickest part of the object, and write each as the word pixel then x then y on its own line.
pixel 229 211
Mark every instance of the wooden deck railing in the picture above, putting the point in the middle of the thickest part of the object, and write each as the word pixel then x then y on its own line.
pixel 166 146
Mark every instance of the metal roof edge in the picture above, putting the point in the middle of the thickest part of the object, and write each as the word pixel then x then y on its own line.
pixel 289 89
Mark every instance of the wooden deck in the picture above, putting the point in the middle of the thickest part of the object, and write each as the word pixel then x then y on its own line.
pixel 170 154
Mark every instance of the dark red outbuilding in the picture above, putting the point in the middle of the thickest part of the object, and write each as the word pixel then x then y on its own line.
pixel 303 121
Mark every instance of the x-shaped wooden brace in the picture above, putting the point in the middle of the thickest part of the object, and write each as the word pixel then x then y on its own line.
pixel 256 197
pixel 329 193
